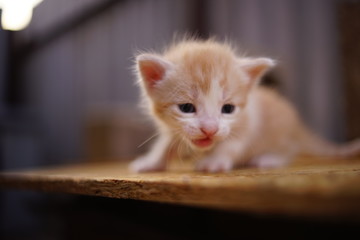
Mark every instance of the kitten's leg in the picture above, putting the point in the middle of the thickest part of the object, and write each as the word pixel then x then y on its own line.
pixel 270 160
pixel 215 163
pixel 155 159
pixel 222 159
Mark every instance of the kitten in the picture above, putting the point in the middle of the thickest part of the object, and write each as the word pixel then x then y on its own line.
pixel 205 98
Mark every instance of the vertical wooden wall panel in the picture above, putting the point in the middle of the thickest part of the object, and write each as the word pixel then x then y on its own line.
pixel 89 67
pixel 302 36
pixel 349 23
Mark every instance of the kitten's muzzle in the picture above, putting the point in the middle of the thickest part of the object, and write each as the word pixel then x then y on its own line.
pixel 209 131
pixel 207 140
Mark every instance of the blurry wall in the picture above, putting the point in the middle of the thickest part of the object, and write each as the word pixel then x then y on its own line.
pixel 3 64
pixel 86 72
pixel 303 37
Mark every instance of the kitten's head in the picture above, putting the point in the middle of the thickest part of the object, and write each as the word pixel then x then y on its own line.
pixel 199 90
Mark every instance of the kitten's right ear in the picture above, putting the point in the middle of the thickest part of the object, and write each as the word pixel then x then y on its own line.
pixel 152 68
pixel 255 68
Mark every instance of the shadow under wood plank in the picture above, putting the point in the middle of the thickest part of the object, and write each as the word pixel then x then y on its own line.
pixel 81 217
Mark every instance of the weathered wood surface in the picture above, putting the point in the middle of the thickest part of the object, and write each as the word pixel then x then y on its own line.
pixel 309 187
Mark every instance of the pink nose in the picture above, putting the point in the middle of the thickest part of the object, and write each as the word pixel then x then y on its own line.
pixel 209 130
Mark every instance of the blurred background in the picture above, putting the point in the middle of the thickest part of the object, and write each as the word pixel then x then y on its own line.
pixel 67 92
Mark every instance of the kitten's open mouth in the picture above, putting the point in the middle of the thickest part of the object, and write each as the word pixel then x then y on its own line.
pixel 203 142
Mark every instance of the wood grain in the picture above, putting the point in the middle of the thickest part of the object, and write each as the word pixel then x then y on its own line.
pixel 309 187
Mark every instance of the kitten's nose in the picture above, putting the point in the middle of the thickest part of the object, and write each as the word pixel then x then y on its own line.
pixel 210 130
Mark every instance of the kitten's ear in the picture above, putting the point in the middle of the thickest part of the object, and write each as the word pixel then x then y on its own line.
pixel 255 68
pixel 152 68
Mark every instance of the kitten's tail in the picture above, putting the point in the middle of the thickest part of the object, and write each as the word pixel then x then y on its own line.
pixel 313 145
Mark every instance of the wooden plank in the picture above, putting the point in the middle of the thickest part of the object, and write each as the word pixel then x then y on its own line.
pixel 309 187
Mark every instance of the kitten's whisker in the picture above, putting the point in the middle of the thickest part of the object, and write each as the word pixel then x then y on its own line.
pixel 180 149
pixel 234 135
pixel 180 152
pixel 171 146
pixel 147 140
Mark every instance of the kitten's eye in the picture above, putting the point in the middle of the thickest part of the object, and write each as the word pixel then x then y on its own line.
pixel 227 108
pixel 187 108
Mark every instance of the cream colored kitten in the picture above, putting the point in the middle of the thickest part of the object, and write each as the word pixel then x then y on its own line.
pixel 205 98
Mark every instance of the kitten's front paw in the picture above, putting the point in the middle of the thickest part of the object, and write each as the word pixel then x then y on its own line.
pixel 213 164
pixel 145 164
pixel 267 161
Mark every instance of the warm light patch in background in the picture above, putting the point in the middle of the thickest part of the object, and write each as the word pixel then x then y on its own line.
pixel 16 14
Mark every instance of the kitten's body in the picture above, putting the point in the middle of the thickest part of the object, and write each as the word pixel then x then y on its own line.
pixel 205 98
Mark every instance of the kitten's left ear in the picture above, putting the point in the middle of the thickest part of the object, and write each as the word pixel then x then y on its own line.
pixel 255 68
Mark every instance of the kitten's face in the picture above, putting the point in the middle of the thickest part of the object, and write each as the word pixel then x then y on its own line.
pixel 200 107
pixel 200 90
